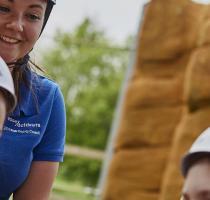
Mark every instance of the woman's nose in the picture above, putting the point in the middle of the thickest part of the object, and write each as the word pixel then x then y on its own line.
pixel 16 24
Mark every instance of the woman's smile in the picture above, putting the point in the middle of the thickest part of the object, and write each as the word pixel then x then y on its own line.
pixel 9 40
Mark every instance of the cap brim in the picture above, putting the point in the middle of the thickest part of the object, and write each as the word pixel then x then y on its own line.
pixel 190 159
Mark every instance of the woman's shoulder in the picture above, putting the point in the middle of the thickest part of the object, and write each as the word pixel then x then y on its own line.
pixel 45 86
pixel 43 81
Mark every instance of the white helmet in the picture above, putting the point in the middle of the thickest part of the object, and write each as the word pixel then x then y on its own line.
pixel 6 83
pixel 199 149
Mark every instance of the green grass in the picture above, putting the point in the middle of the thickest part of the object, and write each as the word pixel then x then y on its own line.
pixel 71 190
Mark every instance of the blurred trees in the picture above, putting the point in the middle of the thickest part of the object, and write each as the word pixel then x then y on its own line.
pixel 89 68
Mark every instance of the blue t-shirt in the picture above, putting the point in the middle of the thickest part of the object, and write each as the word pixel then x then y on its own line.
pixel 35 131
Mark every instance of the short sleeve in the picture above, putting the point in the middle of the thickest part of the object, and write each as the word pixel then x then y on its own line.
pixel 51 146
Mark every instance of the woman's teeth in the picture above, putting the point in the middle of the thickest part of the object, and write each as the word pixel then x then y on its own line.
pixel 8 39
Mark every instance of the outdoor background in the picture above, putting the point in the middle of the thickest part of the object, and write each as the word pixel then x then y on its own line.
pixel 86 48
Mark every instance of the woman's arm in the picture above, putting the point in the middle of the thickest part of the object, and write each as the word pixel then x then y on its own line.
pixel 39 182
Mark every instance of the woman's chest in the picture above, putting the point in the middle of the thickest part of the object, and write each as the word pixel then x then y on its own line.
pixel 20 136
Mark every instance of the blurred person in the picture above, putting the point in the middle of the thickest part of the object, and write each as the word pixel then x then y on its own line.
pixel 2 109
pixel 32 143
pixel 195 168
pixel 7 93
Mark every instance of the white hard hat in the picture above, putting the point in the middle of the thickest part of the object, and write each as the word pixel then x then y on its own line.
pixel 199 149
pixel 6 83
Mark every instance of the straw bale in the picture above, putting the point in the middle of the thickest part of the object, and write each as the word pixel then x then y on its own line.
pixel 150 126
pixel 197 87
pixel 170 29
pixel 128 192
pixel 136 169
pixel 161 68
pixel 154 92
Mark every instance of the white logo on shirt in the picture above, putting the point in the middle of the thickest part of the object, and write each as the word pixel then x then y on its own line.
pixel 23 128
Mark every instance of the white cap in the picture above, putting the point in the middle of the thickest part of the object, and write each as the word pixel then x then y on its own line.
pixel 202 143
pixel 202 1
pixel 199 149
pixel 6 82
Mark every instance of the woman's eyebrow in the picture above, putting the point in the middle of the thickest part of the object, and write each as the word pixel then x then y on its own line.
pixel 36 6
pixel 32 6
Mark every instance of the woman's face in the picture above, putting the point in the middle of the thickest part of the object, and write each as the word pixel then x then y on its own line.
pixel 20 26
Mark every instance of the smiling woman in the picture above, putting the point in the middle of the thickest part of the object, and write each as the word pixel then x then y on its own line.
pixel 20 27
pixel 35 130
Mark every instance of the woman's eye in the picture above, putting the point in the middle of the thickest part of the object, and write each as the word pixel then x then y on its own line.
pixel 33 17
pixel 4 9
